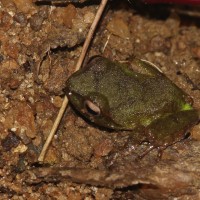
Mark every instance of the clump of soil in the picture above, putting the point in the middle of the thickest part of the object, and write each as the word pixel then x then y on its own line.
pixel 39 47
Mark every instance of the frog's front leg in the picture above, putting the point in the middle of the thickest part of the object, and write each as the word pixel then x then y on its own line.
pixel 170 129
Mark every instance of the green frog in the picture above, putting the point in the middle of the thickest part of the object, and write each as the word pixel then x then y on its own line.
pixel 136 97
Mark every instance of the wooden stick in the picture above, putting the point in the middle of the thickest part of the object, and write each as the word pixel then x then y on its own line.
pixel 78 66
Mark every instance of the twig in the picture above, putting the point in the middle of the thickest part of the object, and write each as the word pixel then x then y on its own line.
pixel 91 33
pixel 78 65
pixel 106 43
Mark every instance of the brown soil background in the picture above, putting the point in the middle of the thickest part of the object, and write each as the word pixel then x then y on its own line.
pixel 39 46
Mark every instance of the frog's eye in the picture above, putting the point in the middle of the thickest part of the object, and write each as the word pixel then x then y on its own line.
pixel 92 108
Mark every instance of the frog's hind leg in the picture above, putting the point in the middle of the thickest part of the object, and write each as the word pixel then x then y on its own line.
pixel 145 67
pixel 170 129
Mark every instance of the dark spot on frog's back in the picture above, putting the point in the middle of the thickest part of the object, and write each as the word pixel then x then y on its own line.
pixel 97 64
pixel 97 68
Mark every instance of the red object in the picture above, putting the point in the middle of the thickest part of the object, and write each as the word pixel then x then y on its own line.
pixel 173 1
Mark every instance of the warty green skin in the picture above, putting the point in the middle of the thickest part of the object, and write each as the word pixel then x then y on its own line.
pixel 137 97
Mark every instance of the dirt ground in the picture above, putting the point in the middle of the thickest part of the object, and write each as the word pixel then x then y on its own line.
pixel 39 46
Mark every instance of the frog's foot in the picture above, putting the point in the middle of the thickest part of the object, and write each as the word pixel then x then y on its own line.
pixel 146 152
pixel 152 147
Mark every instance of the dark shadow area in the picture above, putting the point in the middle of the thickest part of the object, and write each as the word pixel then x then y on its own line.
pixel 63 3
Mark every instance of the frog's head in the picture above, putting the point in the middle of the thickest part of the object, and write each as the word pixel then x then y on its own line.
pixel 82 91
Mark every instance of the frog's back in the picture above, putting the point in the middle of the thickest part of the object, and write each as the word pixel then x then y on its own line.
pixel 137 97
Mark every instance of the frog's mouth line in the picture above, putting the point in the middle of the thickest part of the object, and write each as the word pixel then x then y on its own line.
pixel 92 111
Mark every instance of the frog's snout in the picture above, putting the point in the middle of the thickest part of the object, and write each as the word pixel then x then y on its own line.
pixel 66 90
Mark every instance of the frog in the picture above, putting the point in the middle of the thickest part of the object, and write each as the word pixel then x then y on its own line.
pixel 136 97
